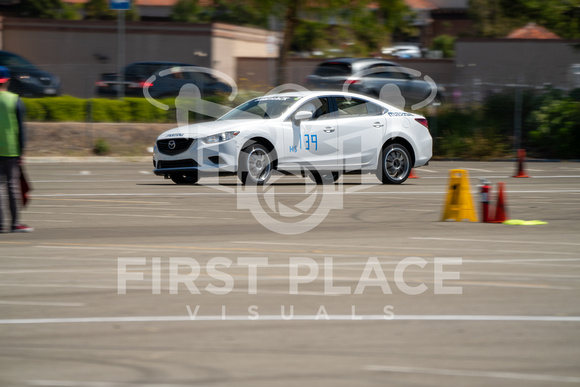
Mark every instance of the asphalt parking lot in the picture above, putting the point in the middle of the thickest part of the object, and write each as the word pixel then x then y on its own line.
pixel 130 280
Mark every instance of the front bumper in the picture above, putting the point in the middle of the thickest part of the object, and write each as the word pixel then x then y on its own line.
pixel 198 158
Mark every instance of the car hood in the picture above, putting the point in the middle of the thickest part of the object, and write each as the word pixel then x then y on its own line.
pixel 213 127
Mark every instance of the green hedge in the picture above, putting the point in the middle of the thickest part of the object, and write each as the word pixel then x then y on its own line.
pixel 71 109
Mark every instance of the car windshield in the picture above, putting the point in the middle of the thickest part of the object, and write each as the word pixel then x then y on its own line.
pixel 263 107
pixel 15 62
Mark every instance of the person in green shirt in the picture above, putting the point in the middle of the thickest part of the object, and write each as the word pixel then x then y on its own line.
pixel 12 142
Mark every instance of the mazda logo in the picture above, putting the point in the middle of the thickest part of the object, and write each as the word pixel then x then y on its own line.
pixel 171 144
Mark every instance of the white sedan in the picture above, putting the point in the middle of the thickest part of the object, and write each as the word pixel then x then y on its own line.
pixel 321 134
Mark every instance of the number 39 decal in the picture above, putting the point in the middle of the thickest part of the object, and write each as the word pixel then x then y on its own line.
pixel 310 141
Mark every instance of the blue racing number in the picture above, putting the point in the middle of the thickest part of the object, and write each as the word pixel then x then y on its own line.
pixel 311 140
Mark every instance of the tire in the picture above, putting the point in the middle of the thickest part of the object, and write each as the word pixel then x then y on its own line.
pixel 394 164
pixel 323 177
pixel 255 166
pixel 184 178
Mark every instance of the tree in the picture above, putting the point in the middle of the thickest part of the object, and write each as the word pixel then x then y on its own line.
pixel 445 44
pixel 370 21
pixel 496 18
pixel 558 129
pixel 186 11
pixel 47 9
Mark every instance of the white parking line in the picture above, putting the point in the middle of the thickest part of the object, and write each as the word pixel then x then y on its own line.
pixel 495 241
pixel 479 170
pixel 475 374
pixel 78 383
pixel 41 303
pixel 386 248
pixel 282 318
pixel 213 193
pixel 429 170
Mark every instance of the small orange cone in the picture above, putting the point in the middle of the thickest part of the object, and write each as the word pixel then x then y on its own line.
pixel 500 206
pixel 521 157
pixel 412 175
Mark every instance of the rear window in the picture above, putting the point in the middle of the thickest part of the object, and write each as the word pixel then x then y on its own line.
pixel 333 69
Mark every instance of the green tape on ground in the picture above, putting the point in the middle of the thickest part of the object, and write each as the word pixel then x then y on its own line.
pixel 519 222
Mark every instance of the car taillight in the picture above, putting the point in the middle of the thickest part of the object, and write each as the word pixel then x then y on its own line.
pixel 423 121
pixel 351 81
pixel 145 84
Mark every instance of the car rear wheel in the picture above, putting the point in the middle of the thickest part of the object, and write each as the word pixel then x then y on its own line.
pixel 255 167
pixel 395 164
pixel 184 178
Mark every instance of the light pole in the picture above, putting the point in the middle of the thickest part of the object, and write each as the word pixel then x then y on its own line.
pixel 120 6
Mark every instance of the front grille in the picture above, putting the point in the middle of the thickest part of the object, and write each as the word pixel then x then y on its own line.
pixel 174 146
pixel 185 163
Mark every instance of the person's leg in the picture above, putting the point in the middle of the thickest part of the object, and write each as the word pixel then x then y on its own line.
pixel 3 182
pixel 13 178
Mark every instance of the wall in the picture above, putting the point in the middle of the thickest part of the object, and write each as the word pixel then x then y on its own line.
pixel 516 61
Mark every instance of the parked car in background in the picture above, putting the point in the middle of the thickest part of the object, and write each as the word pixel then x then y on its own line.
pixel 27 80
pixel 369 76
pixel 138 75
pixel 403 51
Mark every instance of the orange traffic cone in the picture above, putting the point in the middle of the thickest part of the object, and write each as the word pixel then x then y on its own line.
pixel 521 157
pixel 500 206
pixel 412 175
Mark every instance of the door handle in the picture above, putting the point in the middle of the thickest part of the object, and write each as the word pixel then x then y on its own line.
pixel 378 125
pixel 329 129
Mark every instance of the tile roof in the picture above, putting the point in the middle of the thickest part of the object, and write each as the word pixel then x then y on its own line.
pixel 532 31
pixel 420 4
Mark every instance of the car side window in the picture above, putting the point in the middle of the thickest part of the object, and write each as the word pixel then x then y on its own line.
pixel 374 109
pixel 354 107
pixel 320 108
pixel 200 78
pixel 386 72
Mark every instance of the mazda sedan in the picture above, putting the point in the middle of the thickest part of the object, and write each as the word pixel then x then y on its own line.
pixel 319 134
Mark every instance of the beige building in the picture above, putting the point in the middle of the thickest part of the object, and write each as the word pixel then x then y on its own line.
pixel 79 51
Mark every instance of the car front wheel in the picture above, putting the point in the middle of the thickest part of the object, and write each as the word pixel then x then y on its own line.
pixel 394 164
pixel 255 166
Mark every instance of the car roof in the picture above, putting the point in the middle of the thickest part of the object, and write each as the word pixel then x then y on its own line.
pixel 359 60
pixel 160 63
pixel 322 93
pixel 302 95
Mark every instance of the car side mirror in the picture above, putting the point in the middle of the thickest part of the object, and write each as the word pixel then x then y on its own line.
pixel 302 116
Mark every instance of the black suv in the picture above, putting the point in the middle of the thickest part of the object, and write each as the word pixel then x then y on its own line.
pixel 167 84
pixel 26 79
pixel 369 76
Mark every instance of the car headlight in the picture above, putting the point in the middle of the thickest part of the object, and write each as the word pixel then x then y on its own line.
pixel 25 78
pixel 220 137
